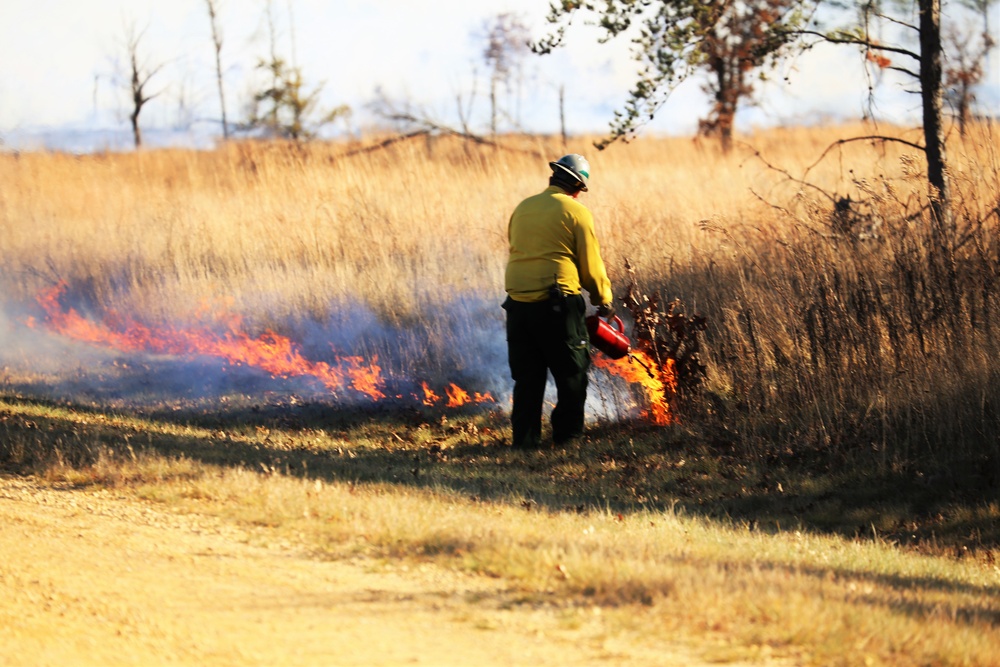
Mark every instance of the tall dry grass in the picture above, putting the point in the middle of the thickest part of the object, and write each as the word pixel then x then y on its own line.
pixel 158 231
pixel 863 335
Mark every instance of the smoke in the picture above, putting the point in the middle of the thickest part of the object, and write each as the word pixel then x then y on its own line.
pixel 455 346
pixel 35 361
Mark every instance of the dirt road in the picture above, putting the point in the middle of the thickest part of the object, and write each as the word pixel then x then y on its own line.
pixel 96 578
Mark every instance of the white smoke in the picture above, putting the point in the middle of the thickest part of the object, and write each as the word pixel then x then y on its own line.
pixel 462 342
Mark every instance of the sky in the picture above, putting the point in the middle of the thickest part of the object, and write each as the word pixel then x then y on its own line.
pixel 61 67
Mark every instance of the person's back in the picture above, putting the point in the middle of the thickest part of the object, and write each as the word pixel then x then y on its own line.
pixel 552 242
pixel 543 246
pixel 553 254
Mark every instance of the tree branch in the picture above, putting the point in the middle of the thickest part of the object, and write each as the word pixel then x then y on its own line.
pixel 841 142
pixel 904 71
pixel 385 143
pixel 786 174
pixel 430 126
pixel 890 19
pixel 857 42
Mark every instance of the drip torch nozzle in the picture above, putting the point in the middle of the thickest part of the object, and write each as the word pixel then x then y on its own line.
pixel 649 370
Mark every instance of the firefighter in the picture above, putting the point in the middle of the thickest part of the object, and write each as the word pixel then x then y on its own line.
pixel 553 254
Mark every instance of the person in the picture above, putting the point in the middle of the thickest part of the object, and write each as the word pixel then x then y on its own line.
pixel 554 254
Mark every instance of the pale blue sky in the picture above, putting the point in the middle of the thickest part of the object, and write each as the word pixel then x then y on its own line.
pixel 57 65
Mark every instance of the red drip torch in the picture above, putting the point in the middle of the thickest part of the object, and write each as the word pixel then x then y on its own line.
pixel 612 341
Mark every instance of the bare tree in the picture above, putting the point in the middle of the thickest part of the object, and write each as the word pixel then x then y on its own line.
pixel 562 113
pixel 465 104
pixel 186 105
pixel 966 51
pixel 925 65
pixel 140 73
pixel 506 46
pixel 217 42
pixel 413 121
pixel 931 75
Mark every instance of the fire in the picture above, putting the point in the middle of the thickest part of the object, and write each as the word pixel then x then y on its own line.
pixel 271 352
pixel 366 378
pixel 456 396
pixel 430 398
pixel 279 356
pixel 656 385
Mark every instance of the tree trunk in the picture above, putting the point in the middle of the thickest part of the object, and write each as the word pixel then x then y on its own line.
pixel 137 101
pixel 931 97
pixel 493 107
pixel 963 111
pixel 562 115
pixel 217 41
pixel 726 97
pixel 136 133
pixel 222 97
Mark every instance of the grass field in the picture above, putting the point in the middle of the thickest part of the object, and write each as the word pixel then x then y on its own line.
pixel 829 488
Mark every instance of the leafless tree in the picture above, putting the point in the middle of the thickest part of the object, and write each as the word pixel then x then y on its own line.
pixel 562 114
pixel 139 75
pixel 464 104
pixel 966 51
pixel 186 105
pixel 506 47
pixel 213 6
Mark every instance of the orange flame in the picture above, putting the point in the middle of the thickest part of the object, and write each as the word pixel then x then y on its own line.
pixel 456 396
pixel 271 352
pixel 366 378
pixel 656 385
pixel 430 398
pixel 483 398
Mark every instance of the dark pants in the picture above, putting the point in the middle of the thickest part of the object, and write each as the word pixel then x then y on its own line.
pixel 549 336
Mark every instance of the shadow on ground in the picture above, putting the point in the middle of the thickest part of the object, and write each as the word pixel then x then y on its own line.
pixel 622 467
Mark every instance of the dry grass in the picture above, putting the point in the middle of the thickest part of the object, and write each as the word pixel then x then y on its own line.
pixel 850 601
pixel 819 334
pixel 801 312
pixel 729 589
pixel 302 231
pixel 833 354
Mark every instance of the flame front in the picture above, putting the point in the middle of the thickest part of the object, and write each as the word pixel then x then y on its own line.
pixel 456 396
pixel 430 398
pixel 270 352
pixel 655 384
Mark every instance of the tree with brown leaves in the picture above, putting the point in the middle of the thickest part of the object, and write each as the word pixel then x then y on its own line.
pixel 677 37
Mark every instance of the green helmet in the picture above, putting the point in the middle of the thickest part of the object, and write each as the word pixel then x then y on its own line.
pixel 574 165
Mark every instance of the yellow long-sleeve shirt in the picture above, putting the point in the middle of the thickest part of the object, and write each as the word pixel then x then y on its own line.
pixel 552 239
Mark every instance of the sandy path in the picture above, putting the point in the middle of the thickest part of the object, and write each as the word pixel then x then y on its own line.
pixel 91 578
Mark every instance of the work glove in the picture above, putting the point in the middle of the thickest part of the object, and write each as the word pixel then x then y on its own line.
pixel 606 310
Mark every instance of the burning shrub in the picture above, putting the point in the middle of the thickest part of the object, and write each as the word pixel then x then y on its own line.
pixel 669 336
